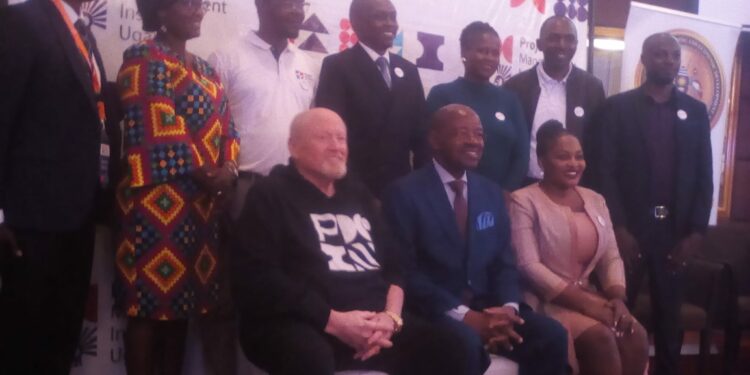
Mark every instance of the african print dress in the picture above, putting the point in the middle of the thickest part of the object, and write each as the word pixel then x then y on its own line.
pixel 176 120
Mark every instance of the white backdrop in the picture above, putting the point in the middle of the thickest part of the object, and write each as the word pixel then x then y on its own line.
pixel 705 73
pixel 428 36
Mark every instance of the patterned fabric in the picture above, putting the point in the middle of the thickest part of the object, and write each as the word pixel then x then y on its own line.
pixel 176 120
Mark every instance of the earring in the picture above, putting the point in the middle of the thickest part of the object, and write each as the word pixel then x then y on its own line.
pixel 163 29
pixel 463 59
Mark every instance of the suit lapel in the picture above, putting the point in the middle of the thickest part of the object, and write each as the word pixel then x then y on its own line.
pixel 438 199
pixel 79 65
pixel 574 97
pixel 640 111
pixel 475 207
pixel 370 73
pixel 534 92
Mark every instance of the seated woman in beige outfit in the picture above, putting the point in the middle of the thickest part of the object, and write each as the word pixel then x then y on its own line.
pixel 562 233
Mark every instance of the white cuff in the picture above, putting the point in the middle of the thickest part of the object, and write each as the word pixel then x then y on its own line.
pixel 515 306
pixel 458 312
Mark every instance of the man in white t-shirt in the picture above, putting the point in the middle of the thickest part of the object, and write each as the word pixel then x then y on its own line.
pixel 268 81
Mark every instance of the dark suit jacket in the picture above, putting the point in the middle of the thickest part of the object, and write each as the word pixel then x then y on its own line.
pixel 49 128
pixel 624 174
pixel 582 90
pixel 440 264
pixel 384 125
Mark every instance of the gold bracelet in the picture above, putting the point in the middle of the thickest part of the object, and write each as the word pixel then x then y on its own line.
pixel 396 319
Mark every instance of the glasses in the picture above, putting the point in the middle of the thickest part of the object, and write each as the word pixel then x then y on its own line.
pixel 294 4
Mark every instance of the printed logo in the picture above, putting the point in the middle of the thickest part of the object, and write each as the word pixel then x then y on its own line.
pixel 576 10
pixel 485 220
pixel 313 43
pixel 346 241
pixel 504 69
pixel 700 76
pixel 539 4
pixel 87 341
pixel 347 36
pixel 95 13
pixel 430 45
pixel 305 79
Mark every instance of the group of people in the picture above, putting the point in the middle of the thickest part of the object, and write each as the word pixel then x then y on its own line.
pixel 357 224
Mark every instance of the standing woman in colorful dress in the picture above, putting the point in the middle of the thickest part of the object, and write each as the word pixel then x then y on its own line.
pixel 180 149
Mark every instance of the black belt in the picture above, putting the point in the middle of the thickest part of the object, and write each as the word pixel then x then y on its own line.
pixel 660 212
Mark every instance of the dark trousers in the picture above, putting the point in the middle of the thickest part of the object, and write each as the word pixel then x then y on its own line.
pixel 544 350
pixel 42 301
pixel 295 347
pixel 666 292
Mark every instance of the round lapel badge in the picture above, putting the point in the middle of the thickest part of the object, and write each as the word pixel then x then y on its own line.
pixel 682 115
pixel 578 111
pixel 500 116
pixel 399 72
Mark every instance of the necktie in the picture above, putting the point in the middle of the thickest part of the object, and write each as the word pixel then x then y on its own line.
pixel 385 70
pixel 459 205
pixel 83 31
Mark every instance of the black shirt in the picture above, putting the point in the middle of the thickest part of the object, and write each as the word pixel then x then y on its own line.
pixel 659 131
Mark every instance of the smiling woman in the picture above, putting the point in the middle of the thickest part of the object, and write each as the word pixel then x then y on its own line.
pixel 506 153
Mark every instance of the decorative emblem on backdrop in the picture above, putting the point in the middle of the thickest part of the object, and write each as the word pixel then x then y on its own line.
pixel 87 342
pixel 504 69
pixel 347 37
pixel 95 13
pixel 313 43
pixel 576 10
pixel 700 76
pixel 539 4
pixel 430 45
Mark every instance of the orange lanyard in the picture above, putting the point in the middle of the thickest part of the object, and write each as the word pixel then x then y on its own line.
pixel 86 54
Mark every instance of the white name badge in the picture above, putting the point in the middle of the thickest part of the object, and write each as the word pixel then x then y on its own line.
pixel 399 72
pixel 104 149
pixel 682 115
pixel 578 111
pixel 500 116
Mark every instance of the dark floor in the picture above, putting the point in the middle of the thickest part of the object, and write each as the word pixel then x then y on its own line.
pixel 716 362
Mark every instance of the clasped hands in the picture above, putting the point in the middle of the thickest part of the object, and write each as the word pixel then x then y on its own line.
pixel 496 327
pixel 366 331
pixel 615 315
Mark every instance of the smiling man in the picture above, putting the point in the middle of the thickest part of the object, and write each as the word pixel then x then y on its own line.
pixel 379 95
pixel 453 227
pixel 317 280
pixel 556 89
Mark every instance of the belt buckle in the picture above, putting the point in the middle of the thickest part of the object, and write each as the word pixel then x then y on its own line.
pixel 661 212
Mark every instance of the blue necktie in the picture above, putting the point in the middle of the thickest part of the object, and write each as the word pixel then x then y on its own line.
pixel 385 70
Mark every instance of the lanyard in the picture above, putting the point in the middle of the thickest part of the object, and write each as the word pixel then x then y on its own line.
pixel 86 54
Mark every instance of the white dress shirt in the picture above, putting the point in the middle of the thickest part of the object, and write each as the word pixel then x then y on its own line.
pixel 552 105
pixel 375 56
pixel 264 96
pixel 458 312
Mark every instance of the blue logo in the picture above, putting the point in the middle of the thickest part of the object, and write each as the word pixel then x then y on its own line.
pixel 485 220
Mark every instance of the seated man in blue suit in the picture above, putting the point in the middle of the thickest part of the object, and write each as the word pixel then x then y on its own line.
pixel 454 228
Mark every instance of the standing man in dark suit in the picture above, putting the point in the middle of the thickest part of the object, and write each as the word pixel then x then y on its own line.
pixel 656 175
pixel 453 226
pixel 379 95
pixel 556 89
pixel 53 163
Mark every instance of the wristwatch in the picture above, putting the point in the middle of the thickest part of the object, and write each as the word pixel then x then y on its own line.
pixel 396 320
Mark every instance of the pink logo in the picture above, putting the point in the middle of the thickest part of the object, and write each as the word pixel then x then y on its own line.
pixel 347 36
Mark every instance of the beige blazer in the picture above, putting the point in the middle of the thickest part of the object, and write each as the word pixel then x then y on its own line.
pixel 542 242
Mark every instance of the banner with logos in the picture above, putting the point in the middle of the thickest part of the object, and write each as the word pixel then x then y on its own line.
pixel 428 36
pixel 708 50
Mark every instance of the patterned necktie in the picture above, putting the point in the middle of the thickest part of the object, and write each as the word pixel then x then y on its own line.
pixel 459 205
pixel 385 70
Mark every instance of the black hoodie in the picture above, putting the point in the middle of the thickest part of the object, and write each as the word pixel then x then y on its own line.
pixel 299 254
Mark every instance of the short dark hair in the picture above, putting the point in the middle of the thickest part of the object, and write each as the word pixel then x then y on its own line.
pixel 475 29
pixel 549 132
pixel 149 10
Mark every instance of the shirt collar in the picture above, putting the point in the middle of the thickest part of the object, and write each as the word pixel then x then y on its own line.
pixel 374 55
pixel 544 78
pixel 445 176
pixel 70 12
pixel 648 99
pixel 262 44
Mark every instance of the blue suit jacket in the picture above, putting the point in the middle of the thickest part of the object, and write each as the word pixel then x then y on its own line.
pixel 440 264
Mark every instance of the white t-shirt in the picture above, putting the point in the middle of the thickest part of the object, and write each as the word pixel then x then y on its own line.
pixel 264 96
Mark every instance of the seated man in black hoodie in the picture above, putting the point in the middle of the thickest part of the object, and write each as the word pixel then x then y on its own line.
pixel 316 277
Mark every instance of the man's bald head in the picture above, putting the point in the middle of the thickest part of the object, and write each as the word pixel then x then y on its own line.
pixel 375 23
pixel 558 41
pixel 457 138
pixel 554 22
pixel 317 144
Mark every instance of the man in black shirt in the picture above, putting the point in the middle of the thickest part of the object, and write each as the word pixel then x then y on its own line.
pixel 316 278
